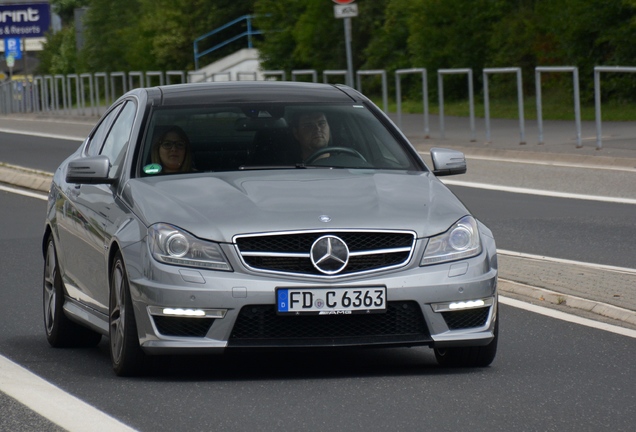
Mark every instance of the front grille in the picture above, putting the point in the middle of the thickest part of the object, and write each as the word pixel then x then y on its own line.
pixel 290 253
pixel 466 318
pixel 184 327
pixel 259 325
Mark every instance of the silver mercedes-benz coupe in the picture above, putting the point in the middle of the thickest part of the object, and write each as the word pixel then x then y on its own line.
pixel 199 218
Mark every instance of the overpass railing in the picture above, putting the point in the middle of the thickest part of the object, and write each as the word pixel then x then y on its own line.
pixel 89 94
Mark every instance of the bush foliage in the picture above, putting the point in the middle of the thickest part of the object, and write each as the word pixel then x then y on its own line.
pixel 125 35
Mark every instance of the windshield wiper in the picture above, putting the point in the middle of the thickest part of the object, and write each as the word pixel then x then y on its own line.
pixel 272 167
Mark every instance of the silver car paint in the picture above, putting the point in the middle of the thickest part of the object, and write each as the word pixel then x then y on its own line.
pixel 219 206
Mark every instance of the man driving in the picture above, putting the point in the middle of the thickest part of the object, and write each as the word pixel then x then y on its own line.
pixel 311 129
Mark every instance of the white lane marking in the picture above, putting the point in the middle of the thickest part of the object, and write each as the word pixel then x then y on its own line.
pixel 538 192
pixel 555 164
pixel 565 261
pixel 567 317
pixel 43 135
pixel 53 403
pixel 24 192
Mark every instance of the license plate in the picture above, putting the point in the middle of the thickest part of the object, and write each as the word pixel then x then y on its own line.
pixel 331 301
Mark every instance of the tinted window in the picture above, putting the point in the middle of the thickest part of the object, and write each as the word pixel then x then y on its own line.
pixel 97 139
pixel 244 136
pixel 117 140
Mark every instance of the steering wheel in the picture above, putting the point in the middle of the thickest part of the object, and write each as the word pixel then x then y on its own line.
pixel 348 150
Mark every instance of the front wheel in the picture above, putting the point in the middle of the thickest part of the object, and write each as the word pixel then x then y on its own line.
pixel 126 355
pixel 60 330
pixel 475 356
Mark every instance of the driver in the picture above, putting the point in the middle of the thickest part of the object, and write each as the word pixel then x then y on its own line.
pixel 311 129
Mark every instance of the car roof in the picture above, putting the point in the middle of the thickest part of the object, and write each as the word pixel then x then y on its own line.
pixel 253 92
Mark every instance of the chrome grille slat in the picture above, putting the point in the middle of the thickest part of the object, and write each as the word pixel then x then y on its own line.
pixel 289 253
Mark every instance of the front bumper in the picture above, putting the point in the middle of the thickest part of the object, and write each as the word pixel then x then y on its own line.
pixel 228 299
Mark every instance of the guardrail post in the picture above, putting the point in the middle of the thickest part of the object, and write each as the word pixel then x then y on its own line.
pixel 597 95
pixel 312 72
pixel 103 75
pixel 328 73
pixel 4 109
pixel 38 92
pixel 49 91
pixel 280 73
pixel 61 79
pixel 90 92
pixel 252 75
pixel 192 74
pixel 122 75
pixel 385 95
pixel 150 74
pixel 577 100
pixel 139 75
pixel 180 74
pixel 517 71
pixel 398 94
pixel 214 76
pixel 77 91
pixel 440 82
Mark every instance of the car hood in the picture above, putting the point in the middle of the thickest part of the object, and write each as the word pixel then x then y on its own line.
pixel 217 206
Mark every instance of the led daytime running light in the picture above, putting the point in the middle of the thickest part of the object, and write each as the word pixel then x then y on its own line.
pixel 466 304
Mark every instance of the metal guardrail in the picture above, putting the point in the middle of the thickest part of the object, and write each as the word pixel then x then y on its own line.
pixel 471 98
pixel 577 99
pixel 597 95
pixel 385 94
pixel 398 95
pixel 516 71
pixel 82 94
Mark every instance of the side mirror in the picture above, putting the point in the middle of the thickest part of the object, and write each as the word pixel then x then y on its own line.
pixel 92 170
pixel 447 162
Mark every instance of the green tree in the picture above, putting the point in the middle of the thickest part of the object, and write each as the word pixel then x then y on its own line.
pixel 589 33
pixel 111 33
pixel 388 44
pixel 66 9
pixel 60 54
pixel 452 34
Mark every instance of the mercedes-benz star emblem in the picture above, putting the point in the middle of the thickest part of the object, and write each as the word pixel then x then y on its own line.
pixel 329 254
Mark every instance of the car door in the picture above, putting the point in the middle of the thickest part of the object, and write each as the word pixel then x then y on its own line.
pixel 97 213
pixel 72 224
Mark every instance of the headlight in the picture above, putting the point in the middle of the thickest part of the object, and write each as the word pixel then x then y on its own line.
pixel 460 241
pixel 171 245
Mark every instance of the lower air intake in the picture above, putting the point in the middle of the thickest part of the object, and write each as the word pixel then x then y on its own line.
pixel 259 325
pixel 183 327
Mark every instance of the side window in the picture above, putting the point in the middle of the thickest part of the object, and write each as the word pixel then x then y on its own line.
pixel 96 141
pixel 117 140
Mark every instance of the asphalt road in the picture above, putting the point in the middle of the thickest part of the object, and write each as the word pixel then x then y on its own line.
pixel 548 375
pixel 573 229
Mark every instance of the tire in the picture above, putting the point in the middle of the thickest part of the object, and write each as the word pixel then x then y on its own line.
pixel 61 332
pixel 475 356
pixel 126 355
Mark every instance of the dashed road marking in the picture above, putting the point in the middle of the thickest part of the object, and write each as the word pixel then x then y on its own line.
pixel 567 317
pixel 53 403
pixel 43 135
pixel 541 192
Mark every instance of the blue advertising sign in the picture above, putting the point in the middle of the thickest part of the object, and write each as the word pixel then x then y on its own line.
pixel 24 20
pixel 12 48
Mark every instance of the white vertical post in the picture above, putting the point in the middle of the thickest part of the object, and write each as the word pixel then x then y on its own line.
pixel 577 101
pixel 440 82
pixel 517 71
pixel 398 91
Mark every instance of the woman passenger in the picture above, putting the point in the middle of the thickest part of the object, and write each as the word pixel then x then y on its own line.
pixel 172 151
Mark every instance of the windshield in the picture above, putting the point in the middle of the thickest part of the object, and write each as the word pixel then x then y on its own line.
pixel 247 137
